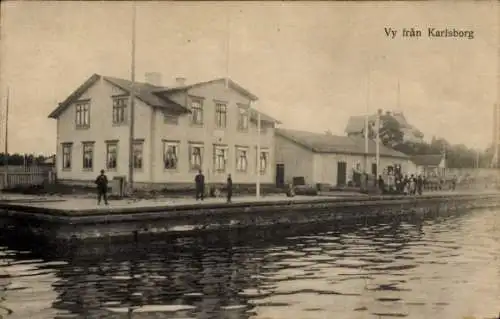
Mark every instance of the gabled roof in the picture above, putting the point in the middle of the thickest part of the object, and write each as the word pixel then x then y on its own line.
pixel 427 160
pixel 235 86
pixel 148 93
pixel 144 92
pixel 326 143
pixel 156 96
pixel 75 95
pixel 263 117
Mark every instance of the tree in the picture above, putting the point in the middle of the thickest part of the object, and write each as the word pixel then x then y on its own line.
pixel 390 131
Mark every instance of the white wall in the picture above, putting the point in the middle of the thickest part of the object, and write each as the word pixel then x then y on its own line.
pixel 101 129
pixel 298 161
pixel 326 165
pixel 150 126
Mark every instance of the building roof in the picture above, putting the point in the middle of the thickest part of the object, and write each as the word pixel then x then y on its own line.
pixel 231 84
pixel 156 96
pixel 326 143
pixel 356 124
pixel 427 160
pixel 148 94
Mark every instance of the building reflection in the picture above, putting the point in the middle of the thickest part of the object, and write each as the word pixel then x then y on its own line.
pixel 180 273
pixel 214 274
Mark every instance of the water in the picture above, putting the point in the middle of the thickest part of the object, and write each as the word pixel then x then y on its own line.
pixel 440 268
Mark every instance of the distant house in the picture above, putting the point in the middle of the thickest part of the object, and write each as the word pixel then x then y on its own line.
pixel 356 125
pixel 178 129
pixel 429 165
pixel 329 159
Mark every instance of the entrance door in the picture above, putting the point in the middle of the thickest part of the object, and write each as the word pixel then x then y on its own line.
pixel 374 168
pixel 341 173
pixel 280 175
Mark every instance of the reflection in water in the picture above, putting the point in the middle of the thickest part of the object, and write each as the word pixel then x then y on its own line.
pixel 444 268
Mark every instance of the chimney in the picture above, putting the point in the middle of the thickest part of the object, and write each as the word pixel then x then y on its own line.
pixel 180 81
pixel 153 78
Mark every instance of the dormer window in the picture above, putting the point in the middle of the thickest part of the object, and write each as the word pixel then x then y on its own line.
pixel 120 110
pixel 82 113
pixel 243 117
pixel 197 111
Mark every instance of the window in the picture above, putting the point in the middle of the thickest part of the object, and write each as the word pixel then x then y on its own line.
pixel 88 155
pixel 112 155
pixel 120 110
pixel 220 158
pixel 170 119
pixel 220 115
pixel 263 161
pixel 243 118
pixel 197 112
pixel 195 156
pixel 241 159
pixel 138 148
pixel 170 154
pixel 66 156
pixel 82 114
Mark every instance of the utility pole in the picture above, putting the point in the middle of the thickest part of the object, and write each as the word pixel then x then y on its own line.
pixel 377 145
pixel 257 180
pixel 228 44
pixel 6 152
pixel 367 124
pixel 132 104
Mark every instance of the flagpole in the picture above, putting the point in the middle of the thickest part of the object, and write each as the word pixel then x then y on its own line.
pixel 377 145
pixel 367 115
pixel 228 45
pixel 132 102
pixel 6 151
pixel 257 180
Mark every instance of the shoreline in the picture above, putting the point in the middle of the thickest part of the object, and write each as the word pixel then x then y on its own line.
pixel 82 220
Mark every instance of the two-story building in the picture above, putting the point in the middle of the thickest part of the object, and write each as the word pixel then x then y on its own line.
pixel 356 126
pixel 178 129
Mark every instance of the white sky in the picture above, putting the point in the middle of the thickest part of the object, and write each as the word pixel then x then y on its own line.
pixel 306 61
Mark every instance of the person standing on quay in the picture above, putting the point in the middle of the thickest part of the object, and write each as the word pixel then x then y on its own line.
pixel 199 181
pixel 229 187
pixel 420 184
pixel 102 188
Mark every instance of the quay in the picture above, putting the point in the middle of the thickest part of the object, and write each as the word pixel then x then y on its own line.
pixel 70 219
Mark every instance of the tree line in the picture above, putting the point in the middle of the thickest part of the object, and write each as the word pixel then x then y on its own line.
pixel 18 159
pixel 457 155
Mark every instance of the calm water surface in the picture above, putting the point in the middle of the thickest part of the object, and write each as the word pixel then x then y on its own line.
pixel 440 268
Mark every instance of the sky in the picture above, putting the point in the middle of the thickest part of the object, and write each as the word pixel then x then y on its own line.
pixel 312 64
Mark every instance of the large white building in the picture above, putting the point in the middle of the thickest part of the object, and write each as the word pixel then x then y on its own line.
pixel 178 129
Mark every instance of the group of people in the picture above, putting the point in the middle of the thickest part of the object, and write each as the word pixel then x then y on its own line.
pixel 397 183
pixel 102 187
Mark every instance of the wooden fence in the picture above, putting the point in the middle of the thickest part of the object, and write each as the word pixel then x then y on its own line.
pixel 22 176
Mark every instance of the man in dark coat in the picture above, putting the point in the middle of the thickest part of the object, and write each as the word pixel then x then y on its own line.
pixel 229 188
pixel 102 188
pixel 199 181
pixel 420 184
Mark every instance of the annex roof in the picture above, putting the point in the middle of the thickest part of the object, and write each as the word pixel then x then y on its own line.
pixel 326 143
